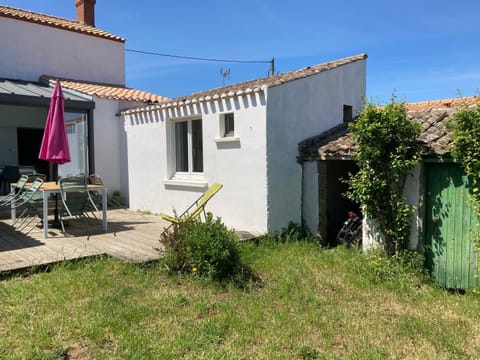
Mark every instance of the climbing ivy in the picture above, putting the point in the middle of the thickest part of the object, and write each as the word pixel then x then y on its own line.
pixel 465 128
pixel 387 152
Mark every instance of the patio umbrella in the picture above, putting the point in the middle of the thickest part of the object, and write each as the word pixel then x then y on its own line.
pixel 54 148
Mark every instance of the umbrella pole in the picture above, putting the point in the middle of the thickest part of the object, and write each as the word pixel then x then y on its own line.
pixel 56 221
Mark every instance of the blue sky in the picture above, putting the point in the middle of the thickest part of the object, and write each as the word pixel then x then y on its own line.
pixel 420 49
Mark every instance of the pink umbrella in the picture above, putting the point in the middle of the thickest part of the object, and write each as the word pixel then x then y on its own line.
pixel 54 147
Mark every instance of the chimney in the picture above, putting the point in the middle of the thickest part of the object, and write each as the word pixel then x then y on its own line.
pixel 86 11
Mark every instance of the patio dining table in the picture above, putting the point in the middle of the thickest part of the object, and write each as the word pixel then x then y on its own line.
pixel 52 187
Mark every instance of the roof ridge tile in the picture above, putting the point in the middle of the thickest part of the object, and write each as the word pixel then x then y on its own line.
pixel 55 21
pixel 106 91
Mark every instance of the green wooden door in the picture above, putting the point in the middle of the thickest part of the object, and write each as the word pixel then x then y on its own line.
pixel 450 227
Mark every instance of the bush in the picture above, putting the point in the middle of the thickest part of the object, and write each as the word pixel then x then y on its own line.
pixel 404 267
pixel 387 152
pixel 295 232
pixel 203 248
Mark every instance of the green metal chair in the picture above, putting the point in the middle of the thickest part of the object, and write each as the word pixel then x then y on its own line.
pixel 193 211
pixel 95 179
pixel 76 200
pixel 16 194
pixel 31 200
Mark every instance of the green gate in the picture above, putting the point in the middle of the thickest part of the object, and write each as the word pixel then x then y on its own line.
pixel 450 227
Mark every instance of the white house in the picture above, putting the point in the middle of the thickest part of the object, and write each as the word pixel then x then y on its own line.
pixel 244 136
pixel 37 49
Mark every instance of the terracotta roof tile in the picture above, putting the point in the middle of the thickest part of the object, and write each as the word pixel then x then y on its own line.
pixel 56 22
pixel 107 91
pixel 257 85
pixel 337 143
pixel 443 104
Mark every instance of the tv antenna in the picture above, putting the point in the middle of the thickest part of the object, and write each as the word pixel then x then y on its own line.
pixel 225 74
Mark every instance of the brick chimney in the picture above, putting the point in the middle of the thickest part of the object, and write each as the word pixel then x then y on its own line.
pixel 86 11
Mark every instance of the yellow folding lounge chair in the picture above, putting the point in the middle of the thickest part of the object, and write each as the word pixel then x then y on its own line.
pixel 194 210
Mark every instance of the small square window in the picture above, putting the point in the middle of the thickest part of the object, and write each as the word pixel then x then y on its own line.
pixel 347 113
pixel 228 125
pixel 71 128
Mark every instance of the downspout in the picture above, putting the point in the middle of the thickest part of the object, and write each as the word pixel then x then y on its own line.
pixel 91 142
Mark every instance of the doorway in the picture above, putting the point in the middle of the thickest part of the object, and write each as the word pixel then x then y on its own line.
pixel 29 142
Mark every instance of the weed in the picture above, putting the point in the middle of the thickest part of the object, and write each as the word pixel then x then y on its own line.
pixel 308 353
pixel 403 267
pixel 295 232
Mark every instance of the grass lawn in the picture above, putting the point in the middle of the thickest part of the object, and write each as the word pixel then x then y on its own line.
pixel 314 304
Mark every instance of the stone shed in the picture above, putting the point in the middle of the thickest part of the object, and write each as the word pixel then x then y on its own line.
pixel 443 225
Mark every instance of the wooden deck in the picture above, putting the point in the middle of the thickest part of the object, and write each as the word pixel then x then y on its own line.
pixel 131 236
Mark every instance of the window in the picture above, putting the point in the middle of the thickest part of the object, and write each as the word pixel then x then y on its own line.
pixel 188 146
pixel 228 125
pixel 347 113
pixel 227 133
pixel 71 128
pixel 77 131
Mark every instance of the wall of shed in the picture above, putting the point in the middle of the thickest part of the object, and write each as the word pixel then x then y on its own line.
pixel 414 195
pixel 239 165
pixel 297 110
pixel 30 50
pixel 310 196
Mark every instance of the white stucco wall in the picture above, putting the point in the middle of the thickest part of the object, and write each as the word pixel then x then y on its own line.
pixel 310 196
pixel 298 110
pixel 239 165
pixel 414 196
pixel 30 50
pixel 110 144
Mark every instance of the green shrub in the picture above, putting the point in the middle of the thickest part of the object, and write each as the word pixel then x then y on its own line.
pixel 387 152
pixel 404 267
pixel 295 232
pixel 203 248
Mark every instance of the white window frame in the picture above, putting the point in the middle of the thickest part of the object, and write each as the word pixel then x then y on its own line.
pixel 223 136
pixel 189 174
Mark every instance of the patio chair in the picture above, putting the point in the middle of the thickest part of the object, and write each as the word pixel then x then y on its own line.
pixel 193 211
pixel 28 193
pixel 16 194
pixel 96 179
pixel 31 200
pixel 76 200
pixel 34 176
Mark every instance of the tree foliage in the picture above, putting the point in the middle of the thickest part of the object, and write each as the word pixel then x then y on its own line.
pixel 387 152
pixel 465 127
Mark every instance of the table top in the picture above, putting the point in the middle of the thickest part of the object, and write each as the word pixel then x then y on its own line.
pixel 55 186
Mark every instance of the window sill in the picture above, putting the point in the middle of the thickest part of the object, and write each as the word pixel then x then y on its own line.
pixel 184 182
pixel 227 139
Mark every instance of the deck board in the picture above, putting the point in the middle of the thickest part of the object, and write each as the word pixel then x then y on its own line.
pixel 131 236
